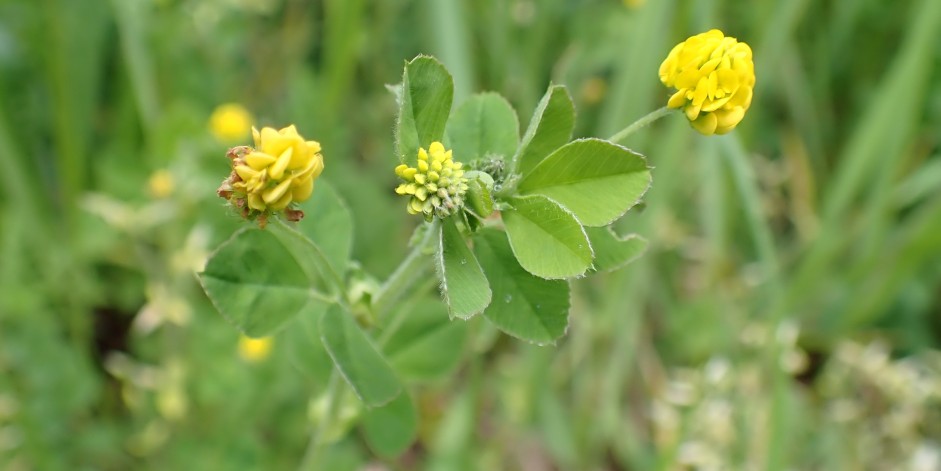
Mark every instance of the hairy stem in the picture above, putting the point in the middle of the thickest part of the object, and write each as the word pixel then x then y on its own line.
pixel 640 123
pixel 407 273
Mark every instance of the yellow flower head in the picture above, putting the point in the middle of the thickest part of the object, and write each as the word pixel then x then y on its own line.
pixel 230 122
pixel 278 171
pixel 160 184
pixel 714 76
pixel 255 350
pixel 436 186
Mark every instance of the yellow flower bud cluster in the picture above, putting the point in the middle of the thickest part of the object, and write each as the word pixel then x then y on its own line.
pixel 436 186
pixel 278 171
pixel 714 76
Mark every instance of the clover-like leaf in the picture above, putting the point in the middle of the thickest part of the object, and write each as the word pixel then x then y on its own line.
pixel 424 105
pixel 546 238
pixel 463 284
pixel 613 252
pixel 483 125
pixel 525 306
pixel 259 279
pixel 427 345
pixel 357 359
pixel 329 224
pixel 595 179
pixel 391 428
pixel 550 127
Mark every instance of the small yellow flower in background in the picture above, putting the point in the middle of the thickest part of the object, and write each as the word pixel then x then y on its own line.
pixel 594 90
pixel 714 76
pixel 278 171
pixel 255 350
pixel 160 184
pixel 436 186
pixel 230 122
pixel 634 3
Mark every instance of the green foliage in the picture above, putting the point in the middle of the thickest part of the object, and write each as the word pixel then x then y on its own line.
pixel 549 128
pixel 426 346
pixel 597 180
pixel 424 105
pixel 538 226
pixel 329 224
pixel 484 125
pixel 525 306
pixel 614 252
pixel 821 210
pixel 463 284
pixel 259 279
pixel 357 359
pixel 390 429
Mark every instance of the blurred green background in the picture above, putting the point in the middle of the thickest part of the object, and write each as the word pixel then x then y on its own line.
pixel 786 316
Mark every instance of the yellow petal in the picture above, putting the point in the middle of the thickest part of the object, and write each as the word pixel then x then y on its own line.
pixel 728 119
pixel 282 202
pixel 288 131
pixel 399 169
pixel 275 193
pixel 245 172
pixel 300 192
pixel 273 143
pixel 277 169
pixel 678 99
pixel 422 166
pixel 422 155
pixel 313 147
pixel 716 104
pixel 706 124
pixel 692 111
pixel 435 148
pixel 421 193
pixel 258 160
pixel 256 136
pixel 255 202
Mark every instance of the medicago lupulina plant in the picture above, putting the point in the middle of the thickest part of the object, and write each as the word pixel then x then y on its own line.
pixel 508 222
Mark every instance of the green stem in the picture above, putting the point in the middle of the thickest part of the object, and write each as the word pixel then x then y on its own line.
pixel 312 456
pixel 640 123
pixel 407 273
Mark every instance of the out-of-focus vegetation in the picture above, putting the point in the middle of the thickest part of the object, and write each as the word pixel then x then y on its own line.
pixel 786 316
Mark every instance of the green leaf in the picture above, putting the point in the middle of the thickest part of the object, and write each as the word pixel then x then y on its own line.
pixel 478 196
pixel 354 355
pixel 426 346
pixel 390 430
pixel 595 179
pixel 524 306
pixel 463 284
pixel 259 279
pixel 306 350
pixel 613 252
pixel 329 224
pixel 550 127
pixel 546 238
pixel 483 125
pixel 424 105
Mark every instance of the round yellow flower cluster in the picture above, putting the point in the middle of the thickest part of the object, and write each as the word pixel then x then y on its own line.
pixel 230 122
pixel 715 77
pixel 436 186
pixel 278 171
pixel 255 350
